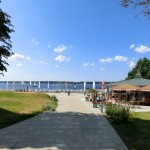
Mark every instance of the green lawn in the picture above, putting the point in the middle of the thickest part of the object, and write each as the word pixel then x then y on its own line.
pixel 136 133
pixel 17 106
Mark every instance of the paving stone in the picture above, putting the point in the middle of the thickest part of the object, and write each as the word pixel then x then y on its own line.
pixel 74 126
pixel 7 145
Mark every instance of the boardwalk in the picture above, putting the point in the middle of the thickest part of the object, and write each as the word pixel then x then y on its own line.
pixel 74 126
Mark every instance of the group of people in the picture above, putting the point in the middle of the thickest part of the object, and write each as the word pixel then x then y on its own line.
pixel 95 97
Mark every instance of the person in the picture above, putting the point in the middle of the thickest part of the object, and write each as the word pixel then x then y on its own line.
pixel 85 93
pixel 94 101
pixel 98 99
pixel 113 95
pixel 68 93
pixel 100 103
pixel 90 96
pixel 86 96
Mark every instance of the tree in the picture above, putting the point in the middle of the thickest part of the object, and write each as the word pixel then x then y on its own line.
pixel 143 4
pixel 143 65
pixel 5 42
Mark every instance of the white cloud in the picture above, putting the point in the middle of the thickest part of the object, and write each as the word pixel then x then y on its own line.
pixel 34 41
pixel 16 57
pixel 19 65
pixel 120 58
pixel 62 58
pixel 92 64
pixel 49 46
pixel 132 46
pixel 131 64
pixel 28 58
pixel 106 60
pixel 88 64
pixel 60 48
pixel 43 63
pixel 142 49
pixel 102 68
pixel 85 64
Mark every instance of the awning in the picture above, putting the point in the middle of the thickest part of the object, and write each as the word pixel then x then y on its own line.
pixel 125 87
pixel 146 88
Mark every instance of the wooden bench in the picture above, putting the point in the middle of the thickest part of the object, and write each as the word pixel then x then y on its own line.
pixel 144 100
pixel 135 102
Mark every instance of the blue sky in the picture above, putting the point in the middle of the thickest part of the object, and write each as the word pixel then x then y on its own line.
pixel 74 40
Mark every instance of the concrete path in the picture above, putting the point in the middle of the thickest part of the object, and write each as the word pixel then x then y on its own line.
pixel 74 126
pixel 74 103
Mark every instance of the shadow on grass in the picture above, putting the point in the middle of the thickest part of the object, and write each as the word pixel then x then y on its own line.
pixel 61 131
pixel 135 134
pixel 8 118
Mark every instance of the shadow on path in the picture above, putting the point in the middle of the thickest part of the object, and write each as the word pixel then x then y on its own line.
pixel 61 131
pixel 8 118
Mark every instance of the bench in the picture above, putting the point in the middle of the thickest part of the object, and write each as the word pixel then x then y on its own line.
pixel 145 100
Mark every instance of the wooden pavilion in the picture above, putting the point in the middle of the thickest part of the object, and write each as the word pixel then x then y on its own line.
pixel 136 89
pixel 125 92
pixel 145 93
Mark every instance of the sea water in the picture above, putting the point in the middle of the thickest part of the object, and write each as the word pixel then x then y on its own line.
pixel 47 85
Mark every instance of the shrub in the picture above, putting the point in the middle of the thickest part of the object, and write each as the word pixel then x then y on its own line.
pixel 47 107
pixel 52 105
pixel 110 109
pixel 118 112
pixel 53 97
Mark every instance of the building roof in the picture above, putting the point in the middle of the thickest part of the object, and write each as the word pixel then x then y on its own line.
pixel 145 88
pixel 125 87
pixel 135 81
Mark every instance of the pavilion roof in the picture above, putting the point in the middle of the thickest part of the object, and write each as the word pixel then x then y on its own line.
pixel 125 87
pixel 145 88
pixel 135 82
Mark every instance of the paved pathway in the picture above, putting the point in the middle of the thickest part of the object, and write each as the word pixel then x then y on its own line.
pixel 74 126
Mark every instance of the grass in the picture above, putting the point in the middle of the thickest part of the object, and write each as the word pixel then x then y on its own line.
pixel 17 106
pixel 136 133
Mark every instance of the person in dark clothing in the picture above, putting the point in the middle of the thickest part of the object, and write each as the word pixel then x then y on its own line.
pixel 68 93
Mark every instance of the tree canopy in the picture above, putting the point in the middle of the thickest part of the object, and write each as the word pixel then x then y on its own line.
pixel 143 65
pixel 5 42
pixel 144 5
